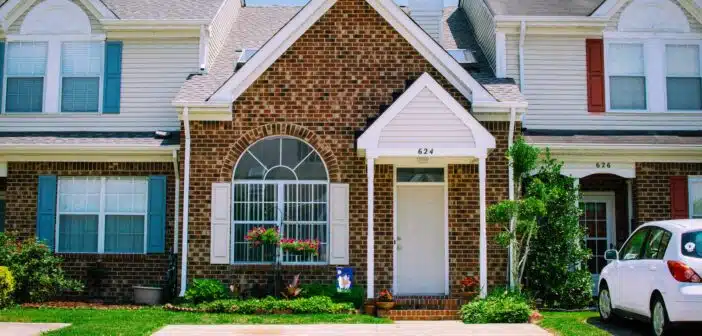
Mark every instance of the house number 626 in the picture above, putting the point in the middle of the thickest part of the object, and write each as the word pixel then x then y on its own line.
pixel 603 165
pixel 425 151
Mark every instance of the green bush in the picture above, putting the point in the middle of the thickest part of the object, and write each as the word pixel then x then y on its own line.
pixel 270 305
pixel 206 290
pixel 37 271
pixel 501 306
pixel 7 286
pixel 356 296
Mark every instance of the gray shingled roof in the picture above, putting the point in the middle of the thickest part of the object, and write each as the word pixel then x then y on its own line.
pixel 164 9
pixel 88 138
pixel 543 7
pixel 255 25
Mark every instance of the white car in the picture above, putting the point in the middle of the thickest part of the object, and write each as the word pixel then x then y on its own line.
pixel 655 276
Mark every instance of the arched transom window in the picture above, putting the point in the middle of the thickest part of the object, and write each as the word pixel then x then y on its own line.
pixel 280 182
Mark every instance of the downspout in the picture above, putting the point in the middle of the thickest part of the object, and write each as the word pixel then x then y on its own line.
pixel 510 176
pixel 186 199
pixel 176 216
pixel 522 36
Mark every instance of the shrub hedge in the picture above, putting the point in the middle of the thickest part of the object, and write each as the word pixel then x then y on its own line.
pixel 7 286
pixel 270 305
pixel 501 306
pixel 206 290
pixel 356 296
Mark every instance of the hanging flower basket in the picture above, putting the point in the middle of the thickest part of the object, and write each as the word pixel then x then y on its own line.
pixel 300 247
pixel 262 236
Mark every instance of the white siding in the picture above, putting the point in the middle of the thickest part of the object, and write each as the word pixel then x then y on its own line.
pixel 484 27
pixel 220 28
pixel 96 26
pixel 695 25
pixel 152 74
pixel 426 122
pixel 428 15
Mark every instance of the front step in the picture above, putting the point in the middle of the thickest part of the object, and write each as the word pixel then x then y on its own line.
pixel 420 315
pixel 426 303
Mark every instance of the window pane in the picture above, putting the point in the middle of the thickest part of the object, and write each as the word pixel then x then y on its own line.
pixel 420 175
pixel 632 248
pixel 267 151
pixel 625 59
pixel 696 197
pixel 305 218
pixel 653 245
pixel 691 244
pixel 627 93
pixel 684 93
pixel 25 94
pixel 124 234
pixel 312 169
pixel 79 195
pixel 683 60
pixel 26 59
pixel 125 195
pixel 294 151
pixel 281 173
pixel 81 59
pixel 78 233
pixel 80 94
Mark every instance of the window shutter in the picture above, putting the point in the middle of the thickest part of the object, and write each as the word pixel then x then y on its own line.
pixel 46 210
pixel 679 200
pixel 221 223
pixel 156 212
pixel 2 67
pixel 339 224
pixel 595 75
pixel 113 77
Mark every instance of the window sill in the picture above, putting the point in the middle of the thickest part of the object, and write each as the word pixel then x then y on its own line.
pixel 649 112
pixel 110 257
pixel 284 266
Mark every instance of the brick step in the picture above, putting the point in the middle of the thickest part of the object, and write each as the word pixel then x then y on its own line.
pixel 420 315
pixel 426 303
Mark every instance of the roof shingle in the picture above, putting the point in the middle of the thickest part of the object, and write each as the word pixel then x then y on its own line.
pixel 164 9
pixel 88 138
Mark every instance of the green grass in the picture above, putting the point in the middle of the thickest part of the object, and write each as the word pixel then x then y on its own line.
pixel 145 321
pixel 572 323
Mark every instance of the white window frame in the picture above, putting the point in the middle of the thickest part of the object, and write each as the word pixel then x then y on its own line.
pixel 697 43
pixel 690 181
pixel 102 214
pixel 654 47
pixel 53 76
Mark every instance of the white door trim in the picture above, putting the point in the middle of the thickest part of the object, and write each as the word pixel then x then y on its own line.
pixel 395 214
pixel 609 198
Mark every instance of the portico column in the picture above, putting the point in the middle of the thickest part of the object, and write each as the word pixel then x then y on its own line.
pixel 576 185
pixel 482 172
pixel 630 202
pixel 371 244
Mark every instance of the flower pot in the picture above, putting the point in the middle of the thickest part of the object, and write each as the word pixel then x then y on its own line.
pixel 369 309
pixel 387 305
pixel 147 295
pixel 468 295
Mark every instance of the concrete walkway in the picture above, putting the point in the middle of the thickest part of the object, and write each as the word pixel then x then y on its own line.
pixel 443 328
pixel 28 329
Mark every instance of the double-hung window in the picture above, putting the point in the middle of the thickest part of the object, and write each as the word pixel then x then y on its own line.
pixel 683 81
pixel 25 76
pixel 695 194
pixel 81 72
pixel 627 76
pixel 102 214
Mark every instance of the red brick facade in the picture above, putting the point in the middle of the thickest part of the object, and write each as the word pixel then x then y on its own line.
pixel 123 271
pixel 322 90
pixel 652 188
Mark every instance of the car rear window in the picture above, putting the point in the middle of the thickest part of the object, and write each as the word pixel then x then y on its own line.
pixel 692 244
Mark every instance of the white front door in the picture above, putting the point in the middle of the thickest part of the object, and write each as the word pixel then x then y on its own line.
pixel 421 244
pixel 598 220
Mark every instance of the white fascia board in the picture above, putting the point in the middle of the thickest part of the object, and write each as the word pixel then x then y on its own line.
pixel 13 10
pixel 98 9
pixel 100 147
pixel 550 21
pixel 303 20
pixel 624 153
pixel 116 24
pixel 608 8
pixel 86 153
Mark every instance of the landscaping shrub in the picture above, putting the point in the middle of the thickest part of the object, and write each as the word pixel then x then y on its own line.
pixel 37 271
pixel 7 286
pixel 501 306
pixel 270 305
pixel 206 290
pixel 356 296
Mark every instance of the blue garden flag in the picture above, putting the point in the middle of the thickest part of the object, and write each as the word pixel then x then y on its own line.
pixel 344 279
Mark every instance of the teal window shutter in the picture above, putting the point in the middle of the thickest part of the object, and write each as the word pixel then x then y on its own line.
pixel 156 226
pixel 46 209
pixel 2 216
pixel 113 77
pixel 2 68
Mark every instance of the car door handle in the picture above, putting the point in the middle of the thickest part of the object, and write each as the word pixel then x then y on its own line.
pixel 652 268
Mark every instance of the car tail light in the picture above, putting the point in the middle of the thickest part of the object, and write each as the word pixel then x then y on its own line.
pixel 682 272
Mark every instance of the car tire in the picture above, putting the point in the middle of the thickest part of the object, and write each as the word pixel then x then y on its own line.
pixel 604 304
pixel 659 316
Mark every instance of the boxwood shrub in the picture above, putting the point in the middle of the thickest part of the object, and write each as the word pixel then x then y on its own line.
pixel 270 305
pixel 356 296
pixel 501 306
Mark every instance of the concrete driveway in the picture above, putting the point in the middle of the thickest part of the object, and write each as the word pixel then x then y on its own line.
pixel 28 329
pixel 400 328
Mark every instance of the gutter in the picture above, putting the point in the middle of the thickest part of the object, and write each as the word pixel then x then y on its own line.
pixel 176 172
pixel 510 176
pixel 186 199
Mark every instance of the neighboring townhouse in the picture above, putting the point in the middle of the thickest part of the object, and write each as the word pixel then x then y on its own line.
pixel 615 91
pixel 89 138
pixel 346 122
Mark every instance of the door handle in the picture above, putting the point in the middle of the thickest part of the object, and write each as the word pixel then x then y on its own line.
pixel 652 268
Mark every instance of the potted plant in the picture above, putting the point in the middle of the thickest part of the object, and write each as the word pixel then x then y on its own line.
pixel 369 307
pixel 469 287
pixel 300 247
pixel 384 300
pixel 262 236
pixel 148 295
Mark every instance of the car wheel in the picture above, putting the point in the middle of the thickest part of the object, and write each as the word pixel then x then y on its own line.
pixel 604 304
pixel 659 317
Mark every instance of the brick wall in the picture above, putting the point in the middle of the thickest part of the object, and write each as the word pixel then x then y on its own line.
pixel 322 90
pixel 652 188
pixel 124 271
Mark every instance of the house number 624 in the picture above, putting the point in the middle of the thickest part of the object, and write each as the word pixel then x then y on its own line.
pixel 603 165
pixel 425 151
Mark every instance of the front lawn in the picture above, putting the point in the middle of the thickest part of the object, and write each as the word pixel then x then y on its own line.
pixel 148 320
pixel 572 323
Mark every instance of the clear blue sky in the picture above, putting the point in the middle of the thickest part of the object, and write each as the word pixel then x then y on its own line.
pixel 302 2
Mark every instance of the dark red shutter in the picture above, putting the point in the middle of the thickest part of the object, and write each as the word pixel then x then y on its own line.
pixel 678 197
pixel 594 49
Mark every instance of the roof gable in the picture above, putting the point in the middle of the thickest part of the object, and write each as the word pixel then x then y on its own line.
pixel 14 9
pixel 312 12
pixel 611 7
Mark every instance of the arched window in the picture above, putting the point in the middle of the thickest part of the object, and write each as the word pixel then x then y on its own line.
pixel 280 181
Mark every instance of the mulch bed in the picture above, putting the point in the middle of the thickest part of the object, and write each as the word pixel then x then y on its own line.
pixel 80 304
